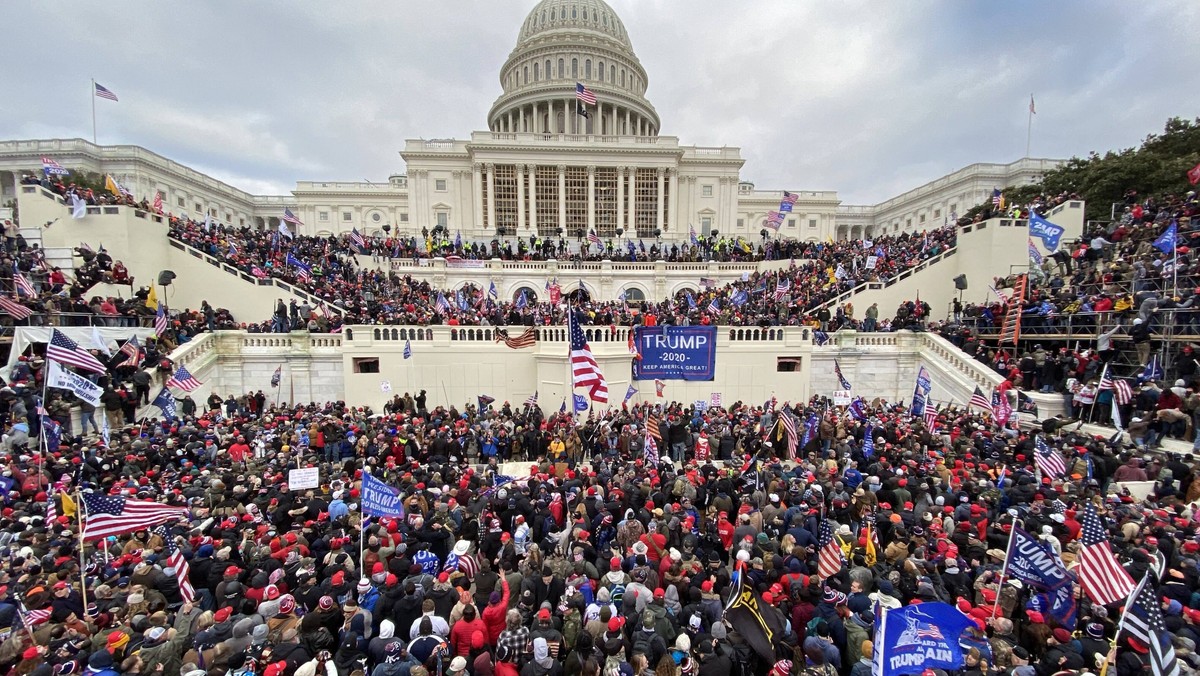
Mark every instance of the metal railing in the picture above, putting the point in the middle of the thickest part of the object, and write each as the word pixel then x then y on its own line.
pixel 1176 324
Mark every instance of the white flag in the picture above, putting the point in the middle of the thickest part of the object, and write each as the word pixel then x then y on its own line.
pixel 283 230
pixel 83 388
pixel 98 341
pixel 78 207
pixel 1116 415
pixel 207 222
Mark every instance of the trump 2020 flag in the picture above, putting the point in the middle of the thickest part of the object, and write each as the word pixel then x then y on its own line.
pixel 921 393
pixel 380 499
pixel 1167 241
pixel 166 403
pixel 919 637
pixel 1044 230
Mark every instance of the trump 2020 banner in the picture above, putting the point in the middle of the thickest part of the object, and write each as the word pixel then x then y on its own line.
pixel 919 637
pixel 675 353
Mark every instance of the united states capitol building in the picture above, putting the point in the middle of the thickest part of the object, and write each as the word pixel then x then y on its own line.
pixel 540 167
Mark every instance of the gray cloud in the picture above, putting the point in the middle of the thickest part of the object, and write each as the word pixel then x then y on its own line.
pixel 867 98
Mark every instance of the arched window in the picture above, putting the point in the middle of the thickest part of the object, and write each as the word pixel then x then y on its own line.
pixel 546 72
pixel 574 12
pixel 600 71
pixel 562 71
pixel 536 69
pixel 574 67
pixel 525 77
pixel 552 15
pixel 612 73
pixel 634 295
pixel 622 77
pixel 530 295
pixel 587 69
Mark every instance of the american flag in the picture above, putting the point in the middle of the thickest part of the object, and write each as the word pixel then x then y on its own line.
pixel 158 206
pixel 585 372
pixel 532 400
pixel 32 618
pixel 978 398
pixel 289 217
pixel 23 286
pixel 713 306
pixel 357 240
pixel 107 515
pixel 528 338
pixel 160 320
pixel 788 200
pixel 660 388
pixel 594 239
pixel 1048 460
pixel 652 426
pixel 771 404
pixel 442 305
pixel 1102 577
pixel 650 450
pixel 781 288
pixel 132 351
pixel 1143 621
pixel 837 370
pixel 789 427
pixel 931 414
pixel 997 198
pixel 829 555
pixel 53 168
pixel 584 94
pixel 183 380
pixel 692 235
pixel 66 352
pixel 103 92
pixel 180 565
pixel 1122 392
pixel 14 308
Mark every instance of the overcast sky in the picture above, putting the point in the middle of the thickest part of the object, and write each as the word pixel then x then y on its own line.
pixel 866 98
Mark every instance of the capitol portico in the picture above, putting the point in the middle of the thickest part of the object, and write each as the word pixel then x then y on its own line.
pixel 546 165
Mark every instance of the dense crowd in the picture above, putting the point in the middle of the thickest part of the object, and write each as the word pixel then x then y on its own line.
pixel 598 556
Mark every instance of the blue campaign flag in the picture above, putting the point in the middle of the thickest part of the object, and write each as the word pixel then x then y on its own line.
pixel 1035 256
pixel 739 299
pixel 921 393
pixel 166 403
pixel 53 432
pixel 522 301
pixel 1044 230
pixel 810 429
pixel 820 337
pixel 492 291
pixel 1153 371
pixel 380 499
pixel 858 409
pixel 581 403
pixel 1034 563
pixel 458 239
pixel 691 301
pixel 1058 603
pixel 630 392
pixel 919 637
pixel 837 370
pixel 563 408
pixel 868 446
pixel 1167 241
pixel 408 349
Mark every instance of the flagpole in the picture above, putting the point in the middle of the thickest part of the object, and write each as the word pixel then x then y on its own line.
pixel 1004 568
pixel 80 508
pixel 93 97
pixel 1029 127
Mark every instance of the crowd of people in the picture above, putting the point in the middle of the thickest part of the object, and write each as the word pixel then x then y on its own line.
pixel 600 555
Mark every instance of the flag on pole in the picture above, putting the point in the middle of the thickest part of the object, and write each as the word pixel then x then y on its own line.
pixel 492 291
pixel 106 515
pixel 357 240
pixel 584 94
pixel 630 392
pixel 442 305
pixel 1143 622
pixel 528 338
pixel 789 426
pixel 166 403
pixel 593 238
pixel 408 349
pixel 837 370
pixel 1167 241
pixel 997 198
pixel 1193 175
pixel 183 380
pixel 158 203
pixel 650 449
pixel 160 320
pixel 104 92
pixel 24 287
pixel 67 352
pixel 112 185
pixel 830 558
pixel 178 565
pixel 980 400
pixel 1102 577
pixel 277 377
pixel 289 217
pixel 14 308
pixel 660 388
pixel 532 400
pixel 652 427
pixel 1048 460
pixel 52 168
pixel 585 371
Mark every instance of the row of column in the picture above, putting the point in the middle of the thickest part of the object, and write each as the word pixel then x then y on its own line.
pixel 666 177
pixel 635 124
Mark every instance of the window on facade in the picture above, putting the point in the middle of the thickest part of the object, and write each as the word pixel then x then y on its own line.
pixel 576 201
pixel 574 67
pixel 741 223
pixel 646 202
pixel 198 207
pixel 908 223
pixel 561 68
pixel 536 71
pixel 706 191
pixel 606 201
pixel 587 69
pixel 812 222
pixel 242 222
pixel 612 73
pixel 547 199
pixel 347 216
pixel 403 216
pixel 525 77
pixel 922 218
pixel 443 219
pixel 954 208
pixel 366 364
pixel 600 71
pixel 505 184
pixel 574 12
pixel 622 77
pixel 323 216
pixel 791 222
pixel 787 364
pixel 179 201
pixel 706 225
pixel 440 185
pixel 937 213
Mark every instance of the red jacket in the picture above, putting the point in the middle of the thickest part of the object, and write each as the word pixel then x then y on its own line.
pixel 493 617
pixel 461 633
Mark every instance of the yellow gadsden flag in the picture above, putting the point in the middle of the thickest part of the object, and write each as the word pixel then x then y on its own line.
pixel 152 299
pixel 869 554
pixel 68 505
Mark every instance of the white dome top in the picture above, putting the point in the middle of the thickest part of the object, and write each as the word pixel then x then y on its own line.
pixel 573 15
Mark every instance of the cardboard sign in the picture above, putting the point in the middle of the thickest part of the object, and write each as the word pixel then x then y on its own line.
pixel 303 479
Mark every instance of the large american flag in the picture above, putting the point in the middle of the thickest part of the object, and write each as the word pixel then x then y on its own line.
pixel 594 239
pixel 176 561
pixel 183 380
pixel 1122 392
pixel 1102 577
pixel 528 338
pixel 1143 621
pixel 931 414
pixel 781 288
pixel 788 200
pixel 357 240
pixel 829 555
pixel 652 427
pixel 107 515
pixel 979 399
pixel 103 92
pixel 1048 460
pixel 789 427
pixel 14 308
pixel 23 285
pixel 585 372
pixel 289 217
pixel 132 351
pixel 160 320
pixel 66 352
pixel 584 94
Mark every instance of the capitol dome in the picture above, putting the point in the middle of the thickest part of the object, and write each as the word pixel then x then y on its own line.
pixel 561 43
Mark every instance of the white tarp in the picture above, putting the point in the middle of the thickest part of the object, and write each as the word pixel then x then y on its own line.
pixel 85 336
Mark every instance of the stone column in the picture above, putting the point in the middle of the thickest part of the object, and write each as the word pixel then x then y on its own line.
pixel 521 119
pixel 562 202
pixel 628 123
pixel 520 198
pixel 658 209
pixel 491 196
pixel 620 198
pixel 477 192
pixel 632 200
pixel 532 197
pixel 591 198
pixel 672 200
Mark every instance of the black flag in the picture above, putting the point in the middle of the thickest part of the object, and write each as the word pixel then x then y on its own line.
pixel 758 623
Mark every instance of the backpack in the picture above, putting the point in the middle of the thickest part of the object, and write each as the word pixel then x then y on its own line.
pixel 643 643
pixel 616 594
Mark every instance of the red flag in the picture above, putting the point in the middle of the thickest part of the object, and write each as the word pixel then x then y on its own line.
pixel 1194 175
